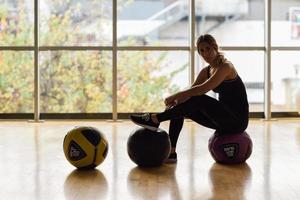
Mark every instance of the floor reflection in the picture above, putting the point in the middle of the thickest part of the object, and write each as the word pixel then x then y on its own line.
pixel 85 184
pixel 225 178
pixel 153 183
pixel 298 136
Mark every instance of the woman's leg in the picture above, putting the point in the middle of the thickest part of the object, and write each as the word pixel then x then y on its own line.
pixel 177 123
pixel 174 130
pixel 203 109
pixel 208 112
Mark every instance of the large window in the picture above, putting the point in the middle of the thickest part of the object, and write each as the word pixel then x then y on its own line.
pixel 285 62
pixel 153 23
pixel 75 22
pixel 232 22
pixel 16 22
pixel 286 23
pixel 16 82
pixel 76 82
pixel 285 81
pixel 145 78
pixel 123 56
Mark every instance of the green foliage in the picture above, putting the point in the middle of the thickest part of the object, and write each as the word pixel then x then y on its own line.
pixel 16 82
pixel 139 89
pixel 15 29
pixel 77 81
pixel 16 67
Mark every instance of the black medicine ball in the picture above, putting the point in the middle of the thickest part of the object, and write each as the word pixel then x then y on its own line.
pixel 148 148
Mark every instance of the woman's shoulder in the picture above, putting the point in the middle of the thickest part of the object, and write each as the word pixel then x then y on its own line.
pixel 227 63
pixel 229 67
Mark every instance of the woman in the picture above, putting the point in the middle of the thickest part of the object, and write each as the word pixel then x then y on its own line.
pixel 227 115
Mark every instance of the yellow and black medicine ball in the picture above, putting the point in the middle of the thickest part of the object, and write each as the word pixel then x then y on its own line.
pixel 85 147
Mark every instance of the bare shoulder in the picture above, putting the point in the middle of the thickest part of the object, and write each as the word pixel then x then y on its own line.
pixel 227 64
pixel 226 67
pixel 230 70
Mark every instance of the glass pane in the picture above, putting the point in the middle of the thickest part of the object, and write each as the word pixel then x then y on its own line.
pixel 232 22
pixel 76 82
pixel 285 23
pixel 250 67
pixel 154 23
pixel 75 22
pixel 285 81
pixel 16 22
pixel 16 82
pixel 145 78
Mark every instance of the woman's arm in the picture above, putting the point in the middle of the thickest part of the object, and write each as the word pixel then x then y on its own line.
pixel 201 78
pixel 216 79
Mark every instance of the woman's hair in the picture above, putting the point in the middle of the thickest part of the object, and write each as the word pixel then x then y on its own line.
pixel 211 41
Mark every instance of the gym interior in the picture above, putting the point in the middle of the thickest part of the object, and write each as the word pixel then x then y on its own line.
pixel 72 73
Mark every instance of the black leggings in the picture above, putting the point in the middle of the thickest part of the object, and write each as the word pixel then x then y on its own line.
pixel 207 112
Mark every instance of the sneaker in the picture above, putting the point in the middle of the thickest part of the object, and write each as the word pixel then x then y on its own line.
pixel 145 121
pixel 171 159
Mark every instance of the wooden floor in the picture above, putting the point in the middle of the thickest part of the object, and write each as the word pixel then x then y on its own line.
pixel 33 166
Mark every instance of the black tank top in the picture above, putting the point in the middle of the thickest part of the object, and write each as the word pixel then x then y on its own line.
pixel 233 94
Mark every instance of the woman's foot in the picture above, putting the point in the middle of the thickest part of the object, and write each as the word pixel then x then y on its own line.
pixel 145 121
pixel 172 158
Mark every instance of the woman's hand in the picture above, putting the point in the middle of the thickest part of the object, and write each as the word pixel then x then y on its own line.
pixel 175 99
pixel 170 101
pixel 181 97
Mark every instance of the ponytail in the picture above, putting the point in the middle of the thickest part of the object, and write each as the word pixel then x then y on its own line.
pixel 221 58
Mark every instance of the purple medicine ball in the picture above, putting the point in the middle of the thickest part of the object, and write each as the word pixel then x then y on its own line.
pixel 230 149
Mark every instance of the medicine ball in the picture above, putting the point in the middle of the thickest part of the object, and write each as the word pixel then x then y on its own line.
pixel 85 147
pixel 230 149
pixel 148 148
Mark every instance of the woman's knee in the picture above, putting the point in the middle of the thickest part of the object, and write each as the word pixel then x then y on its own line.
pixel 197 101
pixel 200 98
